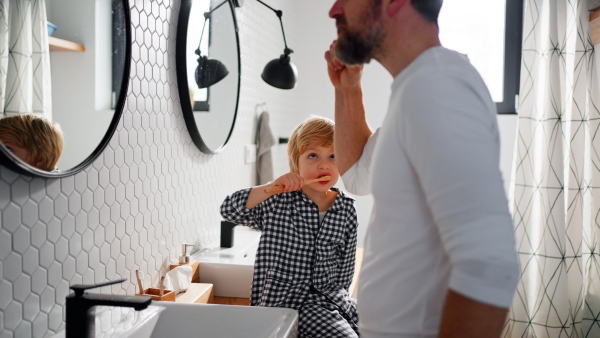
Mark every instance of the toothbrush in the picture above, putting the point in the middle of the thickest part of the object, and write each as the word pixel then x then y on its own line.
pixel 279 188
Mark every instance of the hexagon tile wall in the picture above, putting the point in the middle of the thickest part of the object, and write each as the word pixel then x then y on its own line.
pixel 150 191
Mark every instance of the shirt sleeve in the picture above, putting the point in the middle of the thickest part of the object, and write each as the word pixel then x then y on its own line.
pixel 357 178
pixel 453 144
pixel 349 254
pixel 234 209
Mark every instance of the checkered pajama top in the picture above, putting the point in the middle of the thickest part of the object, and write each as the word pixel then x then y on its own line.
pixel 297 257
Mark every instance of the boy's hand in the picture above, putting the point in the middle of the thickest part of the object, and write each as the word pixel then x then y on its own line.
pixel 289 182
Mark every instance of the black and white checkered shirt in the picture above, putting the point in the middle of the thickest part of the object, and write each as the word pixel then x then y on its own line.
pixel 298 257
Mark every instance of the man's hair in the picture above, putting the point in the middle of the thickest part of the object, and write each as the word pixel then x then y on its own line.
pixel 429 9
pixel 42 139
pixel 315 131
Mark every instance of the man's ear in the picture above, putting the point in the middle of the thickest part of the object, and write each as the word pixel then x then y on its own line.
pixel 394 6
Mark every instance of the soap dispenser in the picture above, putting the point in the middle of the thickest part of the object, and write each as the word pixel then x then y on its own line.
pixel 184 258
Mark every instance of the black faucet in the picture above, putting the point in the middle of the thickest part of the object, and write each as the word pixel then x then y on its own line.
pixel 80 315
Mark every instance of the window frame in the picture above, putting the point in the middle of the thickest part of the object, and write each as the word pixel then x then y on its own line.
pixel 513 34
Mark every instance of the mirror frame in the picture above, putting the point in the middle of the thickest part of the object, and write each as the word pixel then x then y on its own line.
pixel 10 161
pixel 182 80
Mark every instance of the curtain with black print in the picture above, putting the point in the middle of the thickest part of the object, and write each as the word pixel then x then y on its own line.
pixel 555 188
pixel 24 58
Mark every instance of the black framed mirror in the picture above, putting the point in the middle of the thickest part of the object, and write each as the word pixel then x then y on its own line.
pixel 209 107
pixel 89 62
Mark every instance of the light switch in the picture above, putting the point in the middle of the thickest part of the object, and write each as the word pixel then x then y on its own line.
pixel 250 153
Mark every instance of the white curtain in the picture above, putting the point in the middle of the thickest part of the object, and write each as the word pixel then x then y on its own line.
pixel 24 58
pixel 555 192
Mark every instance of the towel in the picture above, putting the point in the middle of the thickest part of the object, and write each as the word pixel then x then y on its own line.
pixel 264 142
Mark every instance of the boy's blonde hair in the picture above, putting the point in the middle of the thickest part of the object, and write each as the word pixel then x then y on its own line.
pixel 42 139
pixel 315 131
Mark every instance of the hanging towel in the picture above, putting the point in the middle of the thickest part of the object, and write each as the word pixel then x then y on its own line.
pixel 264 142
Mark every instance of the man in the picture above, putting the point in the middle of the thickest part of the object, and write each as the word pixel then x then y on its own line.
pixel 439 251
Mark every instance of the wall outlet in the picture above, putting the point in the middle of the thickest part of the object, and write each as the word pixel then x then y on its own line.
pixel 250 153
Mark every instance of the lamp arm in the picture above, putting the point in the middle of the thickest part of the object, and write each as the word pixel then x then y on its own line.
pixel 207 15
pixel 279 13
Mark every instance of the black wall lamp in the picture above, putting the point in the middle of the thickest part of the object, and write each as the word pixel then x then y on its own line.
pixel 279 73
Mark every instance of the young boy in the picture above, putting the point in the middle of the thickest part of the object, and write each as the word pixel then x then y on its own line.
pixel 306 256
pixel 33 139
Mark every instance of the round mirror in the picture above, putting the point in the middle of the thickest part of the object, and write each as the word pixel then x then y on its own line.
pixel 208 71
pixel 85 62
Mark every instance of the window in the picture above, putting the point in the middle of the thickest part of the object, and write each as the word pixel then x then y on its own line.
pixel 489 33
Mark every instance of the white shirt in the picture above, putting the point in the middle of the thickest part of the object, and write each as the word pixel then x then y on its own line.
pixel 440 217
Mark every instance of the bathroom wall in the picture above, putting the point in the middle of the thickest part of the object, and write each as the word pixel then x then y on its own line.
pixel 150 190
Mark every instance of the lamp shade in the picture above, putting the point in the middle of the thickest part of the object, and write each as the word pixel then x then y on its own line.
pixel 280 73
pixel 209 72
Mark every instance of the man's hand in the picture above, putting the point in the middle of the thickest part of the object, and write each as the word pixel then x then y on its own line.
pixel 342 76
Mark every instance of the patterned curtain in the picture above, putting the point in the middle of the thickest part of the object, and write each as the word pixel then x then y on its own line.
pixel 555 192
pixel 24 58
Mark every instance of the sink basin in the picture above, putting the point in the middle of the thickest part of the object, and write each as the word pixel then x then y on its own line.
pixel 123 322
pixel 230 270
pixel 230 321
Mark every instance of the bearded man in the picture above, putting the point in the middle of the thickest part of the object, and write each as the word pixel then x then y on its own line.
pixel 439 257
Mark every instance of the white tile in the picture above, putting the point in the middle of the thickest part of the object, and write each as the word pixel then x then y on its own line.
pixel 67 185
pixel 68 268
pixel 11 217
pixel 46 255
pixel 29 213
pixel 61 249
pixel 40 325
pixel 30 260
pixel 21 288
pixel 47 300
pixel 46 209
pixel 5 293
pixel 5 244
pixel 53 230
pixel 61 206
pixel 31 307
pixel 39 280
pixel 21 240
pixel 87 200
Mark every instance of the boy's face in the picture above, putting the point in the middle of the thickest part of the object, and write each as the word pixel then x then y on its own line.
pixel 315 162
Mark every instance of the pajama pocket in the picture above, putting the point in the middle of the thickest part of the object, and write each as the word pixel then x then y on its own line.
pixel 277 289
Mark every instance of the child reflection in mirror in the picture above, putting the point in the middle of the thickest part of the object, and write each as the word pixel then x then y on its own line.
pixel 33 139
pixel 306 255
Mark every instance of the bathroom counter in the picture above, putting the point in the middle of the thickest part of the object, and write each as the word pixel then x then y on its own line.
pixel 196 293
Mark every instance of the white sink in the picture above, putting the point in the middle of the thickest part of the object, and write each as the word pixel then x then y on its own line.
pixel 230 270
pixel 123 322
pixel 224 321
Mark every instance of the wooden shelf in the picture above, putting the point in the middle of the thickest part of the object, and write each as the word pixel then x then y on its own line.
pixel 60 45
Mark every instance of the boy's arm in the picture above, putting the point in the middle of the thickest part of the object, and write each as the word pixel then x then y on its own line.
pixel 258 195
pixel 234 210
pixel 289 182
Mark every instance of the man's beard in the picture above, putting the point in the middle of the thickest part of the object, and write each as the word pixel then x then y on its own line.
pixel 356 48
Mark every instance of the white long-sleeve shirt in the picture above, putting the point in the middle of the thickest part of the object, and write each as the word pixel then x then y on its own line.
pixel 440 217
